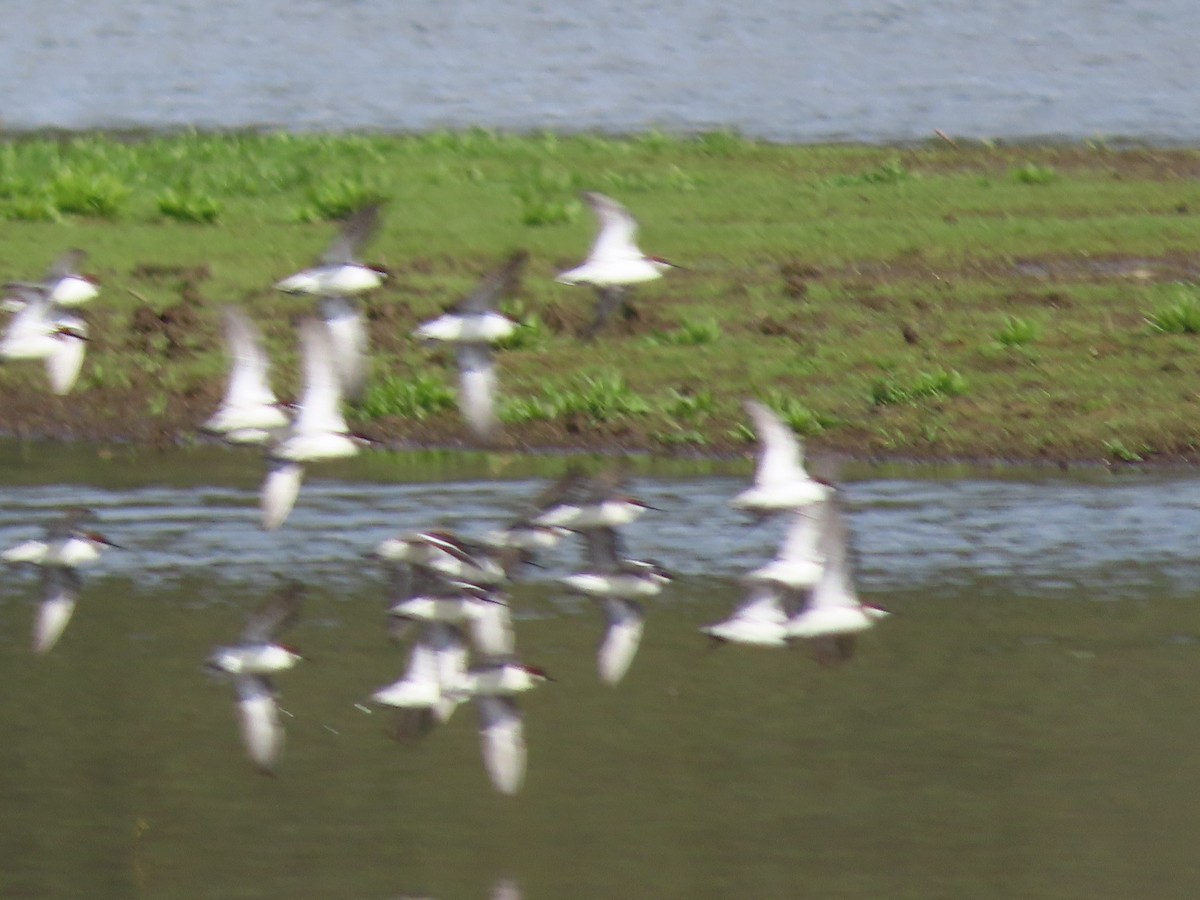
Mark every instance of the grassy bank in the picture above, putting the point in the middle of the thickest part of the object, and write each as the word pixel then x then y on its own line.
pixel 933 301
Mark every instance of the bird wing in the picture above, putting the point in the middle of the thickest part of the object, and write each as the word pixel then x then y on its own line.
pixel 624 624
pixel 258 713
pixel 355 233
pixel 69 263
pixel 615 238
pixel 494 287
pixel 248 370
pixel 477 389
pixel 64 363
pixel 763 603
pixel 320 406
pixel 803 534
pixel 491 626
pixel 347 340
pixel 602 549
pixel 780 455
pixel 60 590
pixel 276 615
pixel 502 739
pixel 836 586
pixel 279 491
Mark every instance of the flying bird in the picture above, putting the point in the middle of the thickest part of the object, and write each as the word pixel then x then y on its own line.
pixel 249 412
pixel 67 546
pixel 339 272
pixel 64 284
pixel 318 432
pixel 472 326
pixel 251 662
pixel 780 480
pixel 615 262
pixel 42 329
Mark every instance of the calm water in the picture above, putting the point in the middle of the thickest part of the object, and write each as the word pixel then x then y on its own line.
pixel 796 71
pixel 1024 725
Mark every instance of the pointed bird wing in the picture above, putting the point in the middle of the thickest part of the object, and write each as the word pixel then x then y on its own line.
pixel 279 491
pixel 502 739
pixel 494 287
pixel 355 233
pixel 836 587
pixel 347 341
pixel 803 536
pixel 69 263
pixel 624 624
pixel 60 589
pixel 615 239
pixel 275 616
pixel 477 390
pixel 249 366
pixel 780 456
pixel 320 406
pixel 262 735
pixel 603 549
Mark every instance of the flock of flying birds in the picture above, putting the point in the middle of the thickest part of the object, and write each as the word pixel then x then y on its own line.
pixel 448 594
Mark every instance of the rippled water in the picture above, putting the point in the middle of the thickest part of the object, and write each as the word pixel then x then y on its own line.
pixel 796 71
pixel 1111 536
pixel 1002 734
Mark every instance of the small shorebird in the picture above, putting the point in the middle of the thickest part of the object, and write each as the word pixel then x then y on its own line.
pixel 616 583
pixel 760 619
pixel 64 284
pixel 472 326
pixel 251 662
pixel 42 329
pixel 430 689
pixel 66 547
pixel 780 481
pixel 579 502
pixel 318 431
pixel 615 262
pixel 339 273
pixel 799 563
pixel 833 614
pixel 249 412
pixel 477 318
pixel 501 727
pixel 446 554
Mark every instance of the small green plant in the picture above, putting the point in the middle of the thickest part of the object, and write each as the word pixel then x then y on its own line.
pixel 1032 173
pixel 1180 315
pixel 725 142
pixel 1017 332
pixel 799 417
pixel 87 193
pixel 689 406
pixel 188 206
pixel 890 172
pixel 692 333
pixel 36 208
pixel 518 410
pixel 942 383
pixel 409 398
pixel 338 198
pixel 680 437
pixel 601 398
pixel 548 196
pixel 1116 449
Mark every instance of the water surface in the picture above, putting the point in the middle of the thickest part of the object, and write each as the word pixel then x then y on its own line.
pixel 1023 725
pixel 874 70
